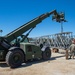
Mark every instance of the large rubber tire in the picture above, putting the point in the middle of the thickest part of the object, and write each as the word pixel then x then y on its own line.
pixel 46 54
pixel 14 58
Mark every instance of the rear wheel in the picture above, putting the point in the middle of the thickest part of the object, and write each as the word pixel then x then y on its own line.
pixel 14 58
pixel 46 54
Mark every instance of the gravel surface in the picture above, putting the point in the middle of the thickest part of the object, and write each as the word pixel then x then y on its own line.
pixel 57 65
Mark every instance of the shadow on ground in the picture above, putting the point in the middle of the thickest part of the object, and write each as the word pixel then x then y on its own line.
pixel 54 58
pixel 29 63
pixel 3 64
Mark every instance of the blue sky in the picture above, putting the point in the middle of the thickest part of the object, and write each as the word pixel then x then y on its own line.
pixel 14 13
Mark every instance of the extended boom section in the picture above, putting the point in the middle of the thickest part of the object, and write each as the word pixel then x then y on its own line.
pixel 31 24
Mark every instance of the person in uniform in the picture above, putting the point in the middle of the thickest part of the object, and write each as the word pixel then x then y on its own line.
pixel 72 49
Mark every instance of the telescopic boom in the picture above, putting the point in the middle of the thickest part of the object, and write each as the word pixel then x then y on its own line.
pixel 31 24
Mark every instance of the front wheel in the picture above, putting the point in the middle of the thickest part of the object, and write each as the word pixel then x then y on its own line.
pixel 14 58
pixel 46 54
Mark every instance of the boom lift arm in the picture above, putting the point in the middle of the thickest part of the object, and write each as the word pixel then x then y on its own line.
pixel 19 31
pixel 5 41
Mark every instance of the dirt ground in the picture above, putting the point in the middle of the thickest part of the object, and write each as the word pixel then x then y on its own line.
pixel 57 65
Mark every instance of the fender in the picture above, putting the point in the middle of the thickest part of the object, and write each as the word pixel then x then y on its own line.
pixel 13 48
pixel 44 48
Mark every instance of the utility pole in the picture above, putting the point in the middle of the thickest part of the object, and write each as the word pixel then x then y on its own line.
pixel 62 24
pixel 61 27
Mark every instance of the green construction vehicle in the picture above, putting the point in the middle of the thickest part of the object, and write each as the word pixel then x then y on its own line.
pixel 16 53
